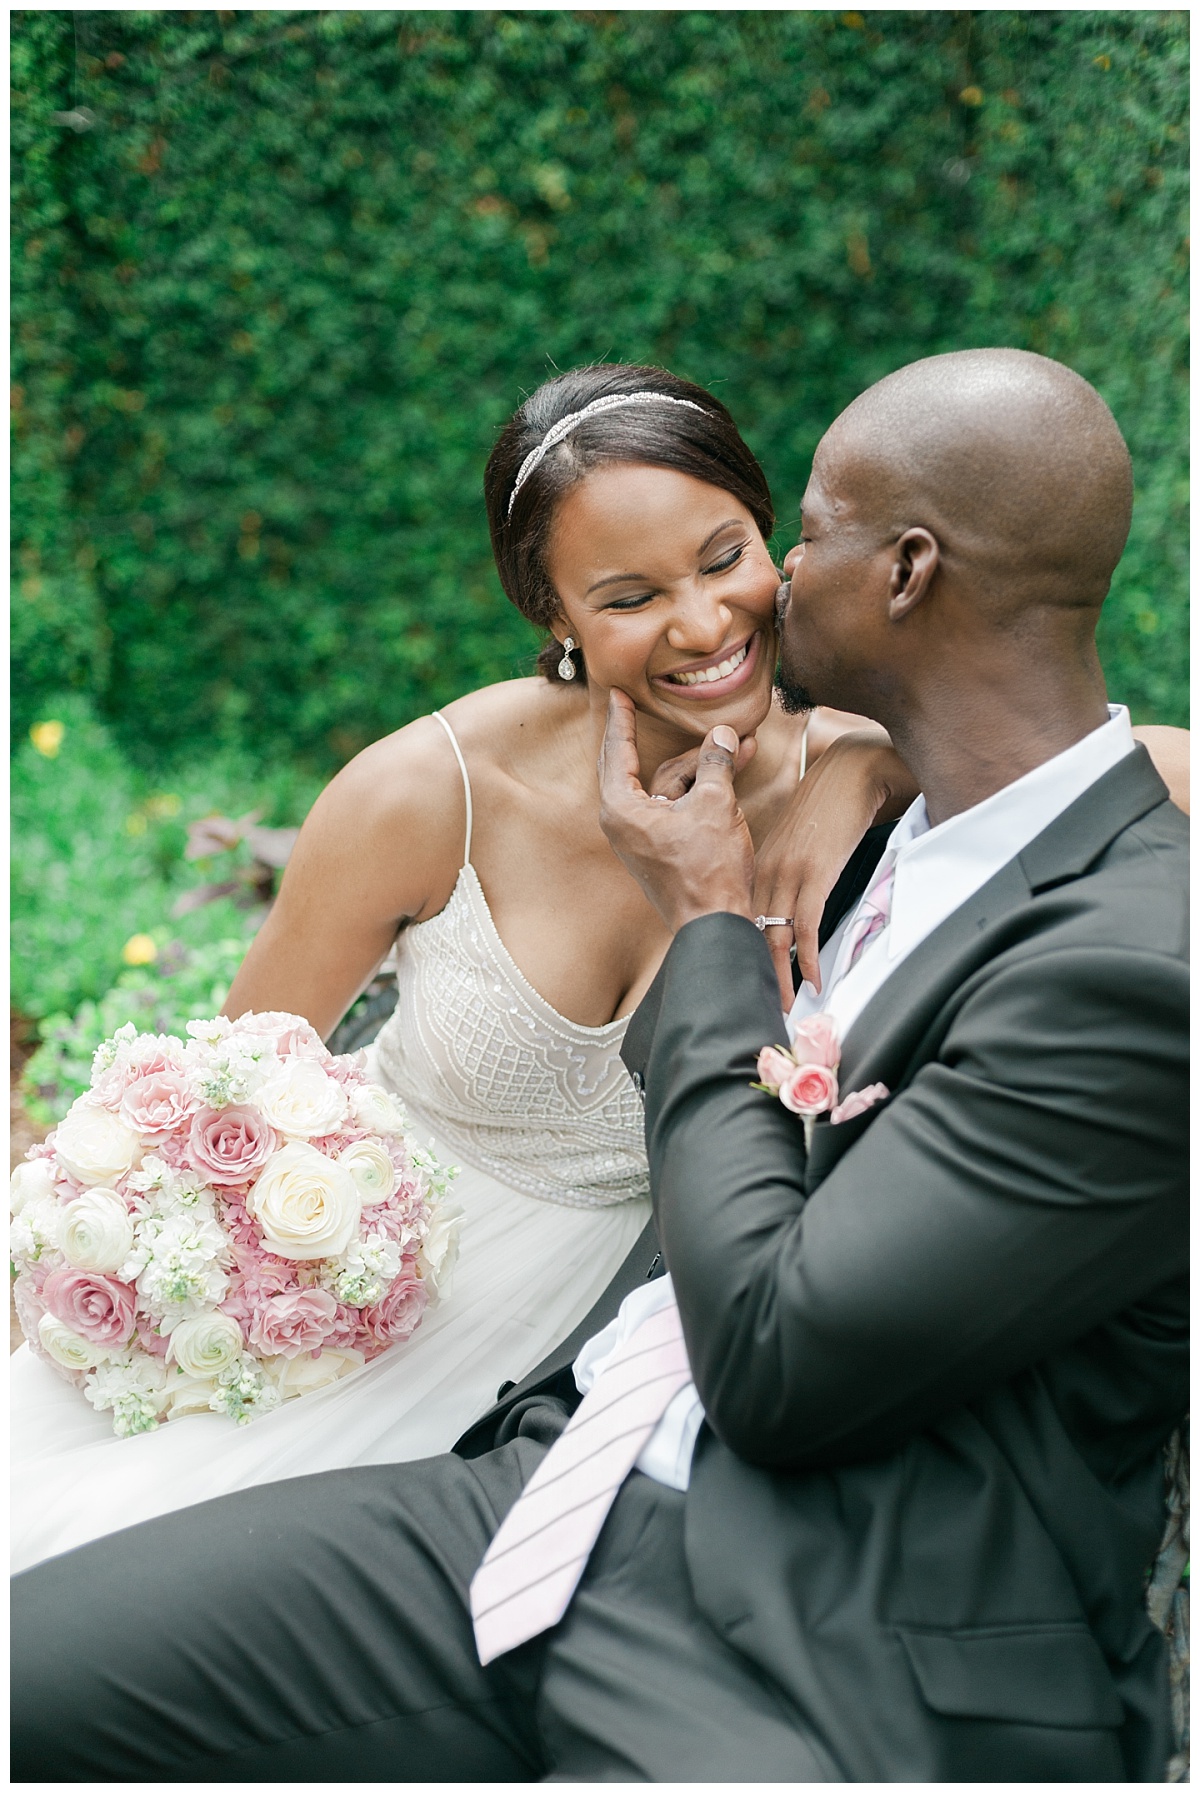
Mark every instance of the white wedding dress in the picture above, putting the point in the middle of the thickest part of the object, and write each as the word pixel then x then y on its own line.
pixel 544 1121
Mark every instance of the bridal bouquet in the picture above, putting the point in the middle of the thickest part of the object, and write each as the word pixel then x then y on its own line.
pixel 223 1223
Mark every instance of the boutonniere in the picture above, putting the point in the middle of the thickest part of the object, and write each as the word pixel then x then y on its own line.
pixel 804 1076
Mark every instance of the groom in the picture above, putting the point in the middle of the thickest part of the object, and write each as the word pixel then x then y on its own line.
pixel 866 1489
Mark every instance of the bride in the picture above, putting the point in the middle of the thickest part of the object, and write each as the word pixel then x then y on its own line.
pixel 628 518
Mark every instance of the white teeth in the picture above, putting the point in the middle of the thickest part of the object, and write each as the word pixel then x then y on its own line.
pixel 711 674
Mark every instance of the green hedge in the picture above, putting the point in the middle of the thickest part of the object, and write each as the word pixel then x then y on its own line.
pixel 272 302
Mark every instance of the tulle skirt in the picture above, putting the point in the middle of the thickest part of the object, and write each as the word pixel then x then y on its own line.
pixel 527 1272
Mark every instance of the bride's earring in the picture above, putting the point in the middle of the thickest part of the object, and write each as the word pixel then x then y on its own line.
pixel 566 666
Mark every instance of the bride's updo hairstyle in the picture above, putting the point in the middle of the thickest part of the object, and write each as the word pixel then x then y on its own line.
pixel 695 435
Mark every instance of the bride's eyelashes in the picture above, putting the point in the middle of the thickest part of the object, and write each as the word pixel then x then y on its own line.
pixel 724 565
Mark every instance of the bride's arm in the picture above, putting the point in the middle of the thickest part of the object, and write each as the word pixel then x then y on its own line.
pixel 856 780
pixel 381 846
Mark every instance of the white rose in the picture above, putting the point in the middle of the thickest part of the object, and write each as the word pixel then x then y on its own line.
pixel 94 1146
pixel 371 1168
pixel 206 1344
pixel 187 1394
pixel 30 1181
pixel 95 1231
pixel 66 1347
pixel 307 1205
pixel 302 1101
pixel 439 1253
pixel 377 1109
pixel 293 1376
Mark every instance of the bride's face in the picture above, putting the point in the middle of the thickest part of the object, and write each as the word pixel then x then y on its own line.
pixel 668 589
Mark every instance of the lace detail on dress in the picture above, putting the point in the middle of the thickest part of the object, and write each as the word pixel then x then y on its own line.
pixel 542 1103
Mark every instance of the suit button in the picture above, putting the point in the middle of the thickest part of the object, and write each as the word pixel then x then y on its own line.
pixel 639 1082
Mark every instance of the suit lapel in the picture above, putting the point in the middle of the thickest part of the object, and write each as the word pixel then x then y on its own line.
pixel 883 1044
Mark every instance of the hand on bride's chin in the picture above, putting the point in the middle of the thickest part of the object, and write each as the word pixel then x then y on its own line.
pixel 675 777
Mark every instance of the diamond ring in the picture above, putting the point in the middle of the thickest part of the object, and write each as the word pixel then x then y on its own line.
pixel 773 921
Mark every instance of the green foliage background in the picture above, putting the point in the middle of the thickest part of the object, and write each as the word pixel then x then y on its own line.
pixel 272 304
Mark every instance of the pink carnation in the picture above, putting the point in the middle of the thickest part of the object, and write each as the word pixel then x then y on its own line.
pixel 349 1068
pixel 230 1145
pixel 858 1101
pixel 398 1314
pixel 291 1035
pixel 774 1067
pixel 287 1324
pixel 30 1305
pixel 809 1090
pixel 98 1308
pixel 815 1042
pixel 157 1104
pixel 151 1341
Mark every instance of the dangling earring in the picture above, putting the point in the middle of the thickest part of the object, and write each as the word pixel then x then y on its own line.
pixel 566 666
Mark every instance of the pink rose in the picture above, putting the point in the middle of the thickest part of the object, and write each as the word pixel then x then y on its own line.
pixel 156 1105
pixel 99 1308
pixel 398 1313
pixel 230 1145
pixel 144 1057
pixel 816 1042
pixel 858 1101
pixel 291 1035
pixel 809 1090
pixel 773 1067
pixel 299 1321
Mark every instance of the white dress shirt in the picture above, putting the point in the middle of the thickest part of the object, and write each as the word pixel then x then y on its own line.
pixel 937 870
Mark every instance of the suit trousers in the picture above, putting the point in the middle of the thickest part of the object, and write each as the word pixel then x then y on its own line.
pixel 317 1629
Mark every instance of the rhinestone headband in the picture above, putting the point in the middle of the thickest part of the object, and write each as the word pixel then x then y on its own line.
pixel 562 429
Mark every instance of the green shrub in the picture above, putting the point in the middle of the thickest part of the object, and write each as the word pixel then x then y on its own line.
pixel 183 985
pixel 271 307
pixel 97 857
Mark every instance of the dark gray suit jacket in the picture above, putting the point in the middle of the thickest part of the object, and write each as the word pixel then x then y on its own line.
pixel 939 1355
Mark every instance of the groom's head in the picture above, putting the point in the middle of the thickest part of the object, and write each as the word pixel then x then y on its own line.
pixel 966 512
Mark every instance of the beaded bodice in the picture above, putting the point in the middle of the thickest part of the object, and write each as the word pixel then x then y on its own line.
pixel 516 1089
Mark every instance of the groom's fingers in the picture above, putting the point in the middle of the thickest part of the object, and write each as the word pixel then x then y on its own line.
pixel 675 778
pixel 618 767
pixel 717 756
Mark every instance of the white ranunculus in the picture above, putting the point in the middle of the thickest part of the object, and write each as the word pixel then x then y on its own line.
pixel 293 1376
pixel 30 1181
pixel 377 1109
pixel 187 1394
pixel 307 1205
pixel 95 1231
pixel 206 1344
pixel 94 1146
pixel 66 1347
pixel 372 1169
pixel 439 1252
pixel 302 1101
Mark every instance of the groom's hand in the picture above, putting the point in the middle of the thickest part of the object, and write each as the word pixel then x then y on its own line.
pixel 692 855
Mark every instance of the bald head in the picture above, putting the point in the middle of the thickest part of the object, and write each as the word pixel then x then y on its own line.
pixel 1012 461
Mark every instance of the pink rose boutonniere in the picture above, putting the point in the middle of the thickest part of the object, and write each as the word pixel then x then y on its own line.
pixel 804 1078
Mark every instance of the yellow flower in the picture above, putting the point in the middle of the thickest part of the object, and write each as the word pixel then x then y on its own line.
pixel 972 96
pixel 47 737
pixel 139 949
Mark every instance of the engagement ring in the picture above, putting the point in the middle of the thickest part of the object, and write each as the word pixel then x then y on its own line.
pixel 772 921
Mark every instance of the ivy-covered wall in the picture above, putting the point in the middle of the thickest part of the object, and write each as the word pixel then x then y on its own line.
pixel 279 276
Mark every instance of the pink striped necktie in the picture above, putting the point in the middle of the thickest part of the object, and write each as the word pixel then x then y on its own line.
pixel 533 1565
pixel 873 916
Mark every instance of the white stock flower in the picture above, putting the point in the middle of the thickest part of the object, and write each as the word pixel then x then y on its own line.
pixel 372 1169
pixel 95 1231
pixel 32 1179
pixel 377 1109
pixel 34 1230
pixel 293 1376
pixel 107 1051
pixel 94 1146
pixel 307 1205
pixel 66 1347
pixel 161 1189
pixel 366 1270
pixel 206 1344
pixel 242 1392
pixel 132 1386
pixel 177 1262
pixel 439 1249
pixel 301 1101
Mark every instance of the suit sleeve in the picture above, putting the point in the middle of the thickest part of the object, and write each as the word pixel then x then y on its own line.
pixel 1028 1184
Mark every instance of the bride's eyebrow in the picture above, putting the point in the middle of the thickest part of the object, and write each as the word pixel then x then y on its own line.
pixel 621 578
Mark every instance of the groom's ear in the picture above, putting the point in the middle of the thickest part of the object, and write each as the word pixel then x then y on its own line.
pixel 916 562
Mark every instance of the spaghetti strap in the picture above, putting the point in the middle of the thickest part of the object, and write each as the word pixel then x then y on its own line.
pixel 462 766
pixel 803 748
